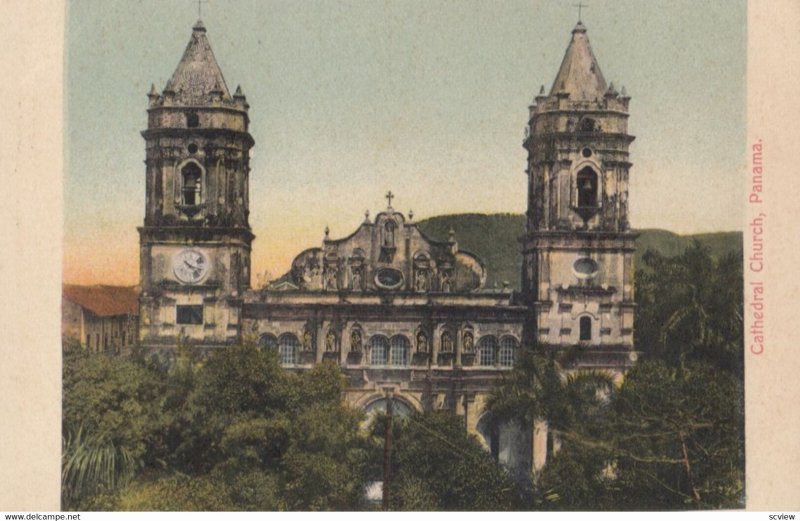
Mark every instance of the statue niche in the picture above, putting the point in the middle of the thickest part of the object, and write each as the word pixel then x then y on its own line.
pixel 422 266
pixel 468 347
pixel 446 354
pixel 331 345
pixel 355 354
pixel 355 268
pixel 422 355
pixel 331 277
pixel 388 244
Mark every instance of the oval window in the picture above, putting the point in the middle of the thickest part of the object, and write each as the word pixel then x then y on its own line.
pixel 388 278
pixel 585 267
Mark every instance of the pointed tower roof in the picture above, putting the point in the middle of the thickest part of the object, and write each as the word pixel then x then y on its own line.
pixel 198 74
pixel 580 75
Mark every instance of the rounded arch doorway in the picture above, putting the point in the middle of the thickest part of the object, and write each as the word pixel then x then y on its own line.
pixel 400 409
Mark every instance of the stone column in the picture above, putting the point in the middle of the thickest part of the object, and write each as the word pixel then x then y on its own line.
pixel 343 336
pixel 319 341
pixel 469 409
pixel 435 344
pixel 457 346
pixel 539 446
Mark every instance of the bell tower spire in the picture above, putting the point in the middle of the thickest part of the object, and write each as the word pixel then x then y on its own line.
pixel 196 239
pixel 578 248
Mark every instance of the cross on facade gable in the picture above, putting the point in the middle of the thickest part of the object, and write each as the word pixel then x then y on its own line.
pixel 389 196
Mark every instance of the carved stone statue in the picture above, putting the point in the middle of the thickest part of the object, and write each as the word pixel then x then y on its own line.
pixel 422 342
pixel 355 340
pixel 469 342
pixel 331 278
pixel 308 339
pixel 388 234
pixel 447 342
pixel 421 281
pixel 356 278
pixel 330 341
pixel 446 285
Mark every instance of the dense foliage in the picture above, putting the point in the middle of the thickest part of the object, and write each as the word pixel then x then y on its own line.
pixel 249 434
pixel 671 435
pixel 690 308
pixel 238 432
pixel 437 465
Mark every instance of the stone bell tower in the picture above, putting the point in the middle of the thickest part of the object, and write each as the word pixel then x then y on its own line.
pixel 578 248
pixel 196 239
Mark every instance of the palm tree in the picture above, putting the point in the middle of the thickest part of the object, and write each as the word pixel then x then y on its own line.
pixel 93 464
pixel 690 307
pixel 539 389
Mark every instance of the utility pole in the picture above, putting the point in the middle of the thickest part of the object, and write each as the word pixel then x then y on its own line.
pixel 387 450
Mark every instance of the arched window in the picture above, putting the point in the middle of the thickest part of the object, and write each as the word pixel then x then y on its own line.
pixel 587 187
pixel 288 346
pixel 190 189
pixel 586 328
pixel 399 352
pixel 268 341
pixel 487 348
pixel 379 350
pixel 507 352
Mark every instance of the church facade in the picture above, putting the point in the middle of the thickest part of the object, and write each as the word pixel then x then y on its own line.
pixel 404 315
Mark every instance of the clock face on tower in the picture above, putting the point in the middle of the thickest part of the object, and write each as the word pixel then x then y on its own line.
pixel 190 266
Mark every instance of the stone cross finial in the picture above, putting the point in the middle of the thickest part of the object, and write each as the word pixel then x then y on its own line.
pixel 389 196
pixel 200 8
pixel 580 6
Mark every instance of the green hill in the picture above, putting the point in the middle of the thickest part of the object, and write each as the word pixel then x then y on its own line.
pixel 494 239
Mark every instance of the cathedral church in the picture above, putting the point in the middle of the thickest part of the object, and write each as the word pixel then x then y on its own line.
pixel 404 315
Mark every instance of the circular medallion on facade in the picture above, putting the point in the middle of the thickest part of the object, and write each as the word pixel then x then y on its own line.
pixel 585 268
pixel 388 278
pixel 190 266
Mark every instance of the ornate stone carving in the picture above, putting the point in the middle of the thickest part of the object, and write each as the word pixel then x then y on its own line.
pixel 422 342
pixel 356 340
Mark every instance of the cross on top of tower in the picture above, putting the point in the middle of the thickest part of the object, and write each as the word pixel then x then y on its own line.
pixel 200 8
pixel 580 6
pixel 389 196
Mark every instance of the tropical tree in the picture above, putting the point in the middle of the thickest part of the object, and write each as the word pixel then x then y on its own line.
pixel 690 308
pixel 109 413
pixel 538 389
pixel 437 465
pixel 280 440
pixel 92 464
pixel 677 438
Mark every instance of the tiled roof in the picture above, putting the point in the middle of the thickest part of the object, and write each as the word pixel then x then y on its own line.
pixel 197 74
pixel 580 74
pixel 104 300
